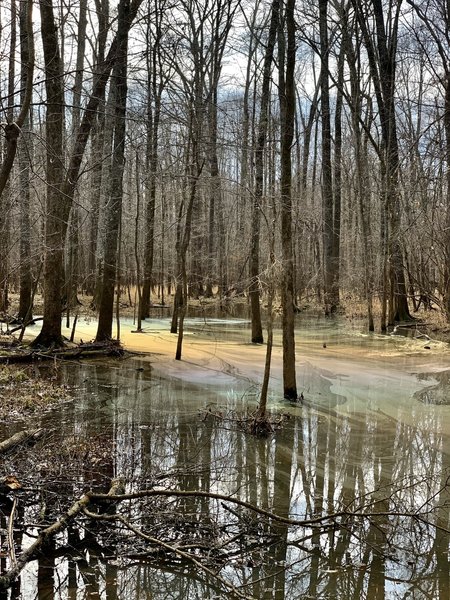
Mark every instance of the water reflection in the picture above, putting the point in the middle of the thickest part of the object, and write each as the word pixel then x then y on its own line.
pixel 347 449
pixel 435 394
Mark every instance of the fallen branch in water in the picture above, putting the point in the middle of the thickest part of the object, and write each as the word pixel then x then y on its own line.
pixel 251 422
pixel 7 580
pixel 170 548
pixel 46 534
pixel 212 547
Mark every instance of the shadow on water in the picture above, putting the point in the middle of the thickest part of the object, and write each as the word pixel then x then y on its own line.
pixel 329 457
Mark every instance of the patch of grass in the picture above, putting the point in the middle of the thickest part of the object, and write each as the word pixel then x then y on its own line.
pixel 10 376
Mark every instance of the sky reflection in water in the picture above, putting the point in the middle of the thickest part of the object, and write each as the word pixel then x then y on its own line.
pixel 368 432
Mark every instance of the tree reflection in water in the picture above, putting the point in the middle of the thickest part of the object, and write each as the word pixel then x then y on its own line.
pixel 322 462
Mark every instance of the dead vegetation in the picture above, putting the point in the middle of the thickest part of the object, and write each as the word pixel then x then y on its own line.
pixel 24 392
pixel 249 421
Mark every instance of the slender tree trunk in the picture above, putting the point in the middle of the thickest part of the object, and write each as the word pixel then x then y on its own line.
pixel 154 91
pixel 337 187
pixel 361 162
pixel 381 49
pixel 96 154
pixel 5 197
pixel 120 84
pixel 245 179
pixel 136 244
pixel 254 289
pixel 447 220
pixel 215 196
pixel 286 88
pixel 183 243
pixel 57 205
pixel 327 179
pixel 261 413
pixel 26 279
pixel 73 262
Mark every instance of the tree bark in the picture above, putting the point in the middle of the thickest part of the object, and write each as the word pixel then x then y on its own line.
pixel 120 85
pixel 286 88
pixel 26 280
pixel 327 175
pixel 57 204
pixel 155 89
pixel 58 215
pixel 381 50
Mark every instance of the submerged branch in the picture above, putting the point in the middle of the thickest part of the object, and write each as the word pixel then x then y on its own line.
pixel 170 548
pixel 316 521
pixel 204 549
pixel 7 580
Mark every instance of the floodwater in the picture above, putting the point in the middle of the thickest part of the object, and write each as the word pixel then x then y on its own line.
pixel 371 436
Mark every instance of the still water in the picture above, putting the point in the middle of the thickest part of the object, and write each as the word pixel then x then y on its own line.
pixel 373 435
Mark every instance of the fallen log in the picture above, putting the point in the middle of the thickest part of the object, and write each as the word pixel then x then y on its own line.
pixel 20 437
pixel 89 350
pixel 16 357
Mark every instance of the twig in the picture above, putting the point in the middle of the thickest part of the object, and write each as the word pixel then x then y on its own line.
pixel 11 546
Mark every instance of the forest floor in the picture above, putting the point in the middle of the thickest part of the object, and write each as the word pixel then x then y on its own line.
pixel 25 390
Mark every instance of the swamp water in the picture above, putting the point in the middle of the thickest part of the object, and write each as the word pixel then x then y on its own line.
pixel 373 435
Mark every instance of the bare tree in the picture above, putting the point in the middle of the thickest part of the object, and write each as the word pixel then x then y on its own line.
pixel 59 199
pixel 12 128
pixel 436 18
pixel 156 82
pixel 381 46
pixel 286 87
pixel 258 194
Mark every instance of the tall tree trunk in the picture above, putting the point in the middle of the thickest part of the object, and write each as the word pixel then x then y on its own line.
pixel 26 280
pixel 136 244
pixel 327 176
pixel 96 152
pixel 58 212
pixel 244 177
pixel 254 288
pixel 72 258
pixel 337 186
pixel 446 291
pixel 381 51
pixel 154 91
pixel 286 88
pixel 215 197
pixel 5 198
pixel 120 84
pixel 361 162
pixel 57 205
pixel 185 237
